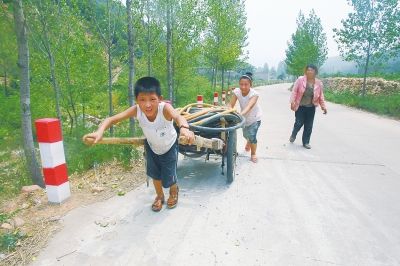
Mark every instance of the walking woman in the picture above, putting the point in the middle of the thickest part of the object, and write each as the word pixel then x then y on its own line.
pixel 307 94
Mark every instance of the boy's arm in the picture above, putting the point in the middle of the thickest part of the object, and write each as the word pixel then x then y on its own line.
pixel 253 100
pixel 98 135
pixel 171 114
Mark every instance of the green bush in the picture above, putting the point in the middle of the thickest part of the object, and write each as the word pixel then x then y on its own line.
pixel 9 241
pixel 380 104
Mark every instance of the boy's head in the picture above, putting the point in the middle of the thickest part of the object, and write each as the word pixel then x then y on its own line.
pixel 147 85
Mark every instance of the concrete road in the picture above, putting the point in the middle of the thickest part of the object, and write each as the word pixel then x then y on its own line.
pixel 337 204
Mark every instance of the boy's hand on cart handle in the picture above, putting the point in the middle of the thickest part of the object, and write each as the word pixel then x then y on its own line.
pixel 92 138
pixel 186 135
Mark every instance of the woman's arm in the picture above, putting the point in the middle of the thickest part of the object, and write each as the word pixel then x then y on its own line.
pixel 322 100
pixel 293 97
pixel 253 100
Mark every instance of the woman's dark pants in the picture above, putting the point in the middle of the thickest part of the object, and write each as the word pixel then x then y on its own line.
pixel 304 116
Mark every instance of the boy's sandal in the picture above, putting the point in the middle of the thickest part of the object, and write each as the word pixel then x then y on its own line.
pixel 173 199
pixel 254 158
pixel 157 204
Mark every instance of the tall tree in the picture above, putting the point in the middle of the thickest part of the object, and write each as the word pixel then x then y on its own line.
pixel 370 34
pixel 148 37
pixel 169 50
pixel 107 19
pixel 226 35
pixel 7 48
pixel 272 73
pixel 281 70
pixel 307 45
pixel 131 74
pixel 46 31
pixel 26 118
pixel 266 70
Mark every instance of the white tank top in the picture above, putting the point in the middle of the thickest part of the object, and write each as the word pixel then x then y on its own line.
pixel 160 134
pixel 255 113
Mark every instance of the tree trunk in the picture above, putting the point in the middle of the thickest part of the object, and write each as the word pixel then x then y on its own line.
pixel 364 86
pixel 109 57
pixel 131 75
pixel 5 84
pixel 54 83
pixel 26 119
pixel 169 52
pixel 70 97
pixel 212 76
pixel 222 79
pixel 110 103
pixel 52 65
pixel 229 79
pixel 71 118
pixel 174 86
pixel 83 114
pixel 148 39
pixel 215 78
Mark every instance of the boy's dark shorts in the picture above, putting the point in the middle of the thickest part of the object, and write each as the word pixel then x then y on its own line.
pixel 250 132
pixel 162 167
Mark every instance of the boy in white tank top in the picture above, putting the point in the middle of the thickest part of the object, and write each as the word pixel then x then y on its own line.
pixel 156 119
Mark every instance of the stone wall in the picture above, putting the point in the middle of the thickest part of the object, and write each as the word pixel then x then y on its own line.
pixel 374 85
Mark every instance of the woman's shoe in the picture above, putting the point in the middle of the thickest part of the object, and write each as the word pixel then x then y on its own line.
pixel 307 146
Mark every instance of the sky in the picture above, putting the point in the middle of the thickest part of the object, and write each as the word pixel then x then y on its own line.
pixel 272 23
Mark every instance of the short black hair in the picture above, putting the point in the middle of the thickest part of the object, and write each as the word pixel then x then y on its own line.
pixel 147 85
pixel 312 66
pixel 248 76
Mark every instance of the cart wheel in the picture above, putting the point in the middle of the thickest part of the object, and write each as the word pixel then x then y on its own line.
pixel 231 156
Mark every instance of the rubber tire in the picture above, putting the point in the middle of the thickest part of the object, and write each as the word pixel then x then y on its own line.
pixel 231 156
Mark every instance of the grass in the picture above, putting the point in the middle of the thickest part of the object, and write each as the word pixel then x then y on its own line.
pixel 379 104
pixel 387 76
pixel 79 157
pixel 9 240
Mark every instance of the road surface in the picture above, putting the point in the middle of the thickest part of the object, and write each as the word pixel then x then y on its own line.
pixel 336 204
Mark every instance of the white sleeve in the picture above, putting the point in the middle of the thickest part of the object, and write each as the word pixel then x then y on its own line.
pixel 253 93
pixel 237 92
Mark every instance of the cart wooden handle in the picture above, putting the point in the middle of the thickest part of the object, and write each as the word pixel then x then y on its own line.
pixel 123 141
pixel 200 142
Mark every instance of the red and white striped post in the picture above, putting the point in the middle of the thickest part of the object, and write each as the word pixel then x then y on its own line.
pixel 215 98
pixel 200 101
pixel 223 97
pixel 53 159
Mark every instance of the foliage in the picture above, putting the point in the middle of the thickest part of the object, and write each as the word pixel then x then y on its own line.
pixel 372 29
pixel 370 34
pixel 380 104
pixel 68 43
pixel 307 45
